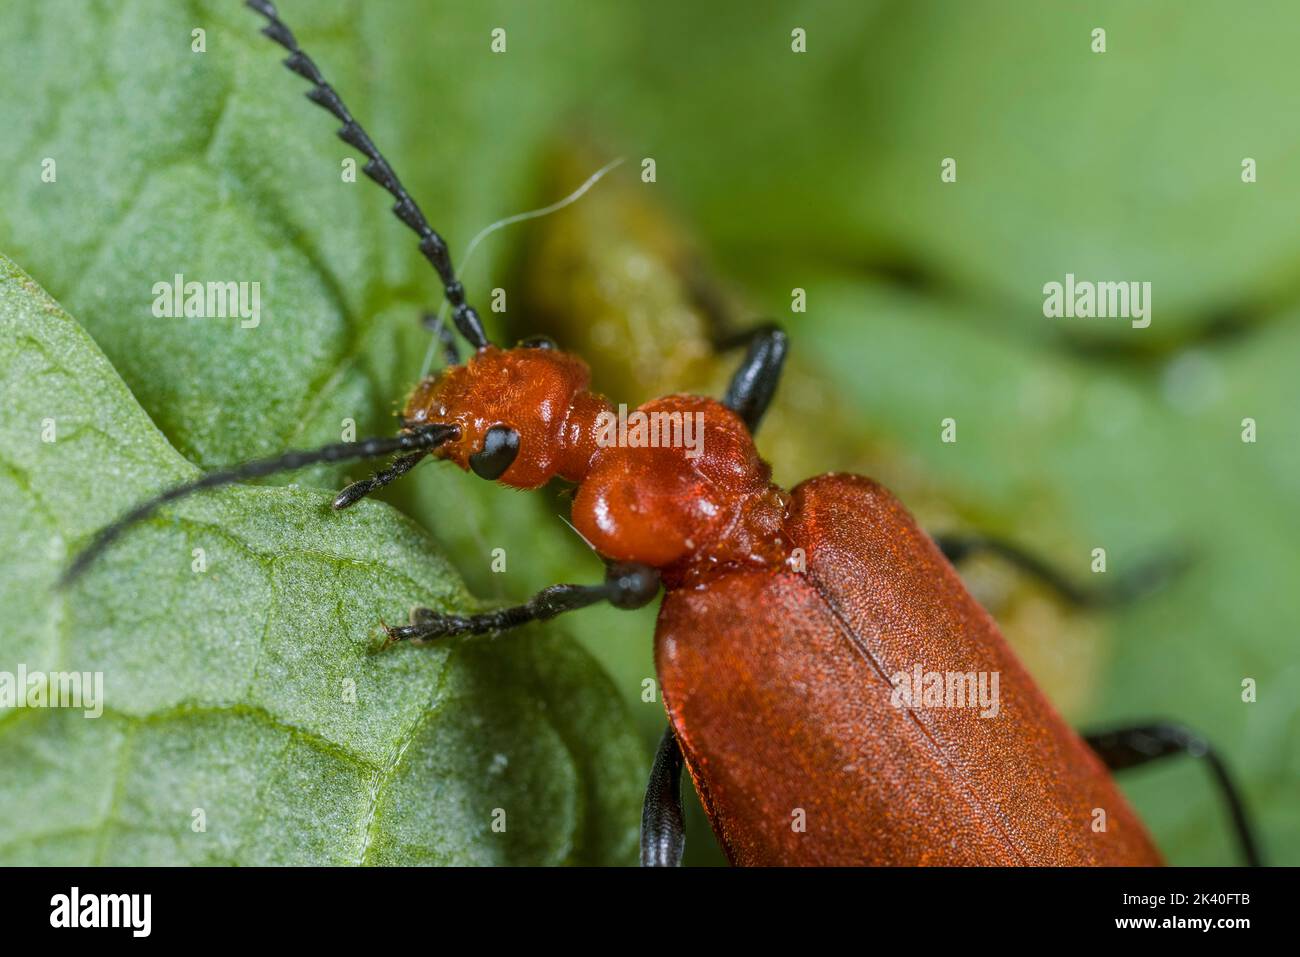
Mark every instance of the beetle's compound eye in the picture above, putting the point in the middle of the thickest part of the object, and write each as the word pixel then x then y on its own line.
pixel 500 446
pixel 538 342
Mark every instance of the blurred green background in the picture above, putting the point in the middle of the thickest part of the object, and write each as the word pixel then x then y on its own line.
pixel 775 170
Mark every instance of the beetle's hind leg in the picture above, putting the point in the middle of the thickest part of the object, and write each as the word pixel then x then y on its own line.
pixel 1118 590
pixel 626 585
pixel 754 383
pixel 1128 747
pixel 663 821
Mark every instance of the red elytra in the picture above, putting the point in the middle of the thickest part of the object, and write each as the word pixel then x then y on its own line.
pixel 785 616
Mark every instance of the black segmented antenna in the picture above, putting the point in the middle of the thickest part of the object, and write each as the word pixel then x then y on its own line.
pixel 433 246
pixel 419 441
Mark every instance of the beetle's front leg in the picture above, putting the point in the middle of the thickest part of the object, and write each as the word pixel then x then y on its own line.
pixel 626 585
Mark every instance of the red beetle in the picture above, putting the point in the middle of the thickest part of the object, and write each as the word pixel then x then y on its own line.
pixel 809 640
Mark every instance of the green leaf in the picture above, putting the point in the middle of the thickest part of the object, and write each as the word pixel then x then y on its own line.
pixel 252 691
pixel 1119 165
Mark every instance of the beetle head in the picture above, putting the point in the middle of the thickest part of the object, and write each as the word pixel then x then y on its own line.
pixel 512 410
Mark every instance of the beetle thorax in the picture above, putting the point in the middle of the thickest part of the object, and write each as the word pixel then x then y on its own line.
pixel 675 483
pixel 678 484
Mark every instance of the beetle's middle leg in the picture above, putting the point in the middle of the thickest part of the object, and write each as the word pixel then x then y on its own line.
pixel 1117 591
pixel 626 585
pixel 1121 748
pixel 754 383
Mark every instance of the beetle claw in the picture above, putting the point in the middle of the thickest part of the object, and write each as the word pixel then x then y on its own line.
pixel 391 637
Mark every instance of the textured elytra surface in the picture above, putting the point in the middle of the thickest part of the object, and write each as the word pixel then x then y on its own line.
pixel 943 786
pixel 250 696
